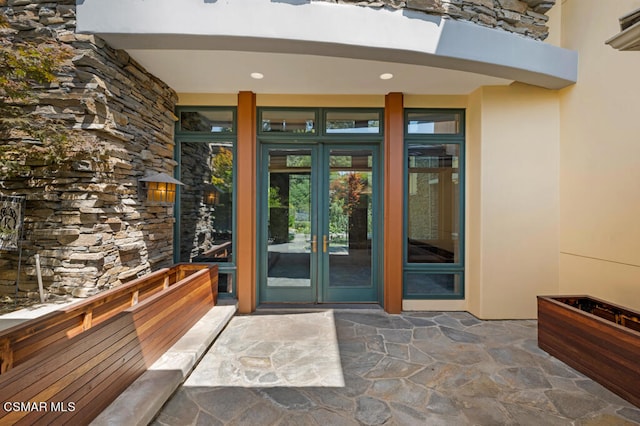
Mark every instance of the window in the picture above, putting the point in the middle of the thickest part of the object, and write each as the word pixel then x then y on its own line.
pixel 352 122
pixel 311 123
pixel 207 121
pixel 288 121
pixel 433 203
pixel 434 188
pixel 434 122
pixel 421 284
pixel 205 214
pixel 206 201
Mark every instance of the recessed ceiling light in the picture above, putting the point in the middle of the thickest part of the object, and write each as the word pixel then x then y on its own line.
pixel 386 76
pixel 257 75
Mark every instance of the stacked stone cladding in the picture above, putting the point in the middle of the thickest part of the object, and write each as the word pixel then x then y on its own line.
pixel 87 221
pixel 525 17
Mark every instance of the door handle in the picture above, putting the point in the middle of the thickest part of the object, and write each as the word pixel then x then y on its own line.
pixel 314 244
pixel 325 243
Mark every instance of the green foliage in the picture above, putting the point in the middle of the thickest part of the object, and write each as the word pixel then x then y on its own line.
pixel 222 169
pixel 28 137
pixel 299 199
pixel 303 227
pixel 274 198
pixel 346 194
pixel 299 193
pixel 338 220
pixel 298 161
pixel 347 187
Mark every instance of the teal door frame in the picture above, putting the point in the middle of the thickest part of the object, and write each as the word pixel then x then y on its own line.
pixel 320 290
pixel 351 293
pixel 283 294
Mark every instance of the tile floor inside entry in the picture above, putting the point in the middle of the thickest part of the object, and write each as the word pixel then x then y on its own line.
pixel 366 367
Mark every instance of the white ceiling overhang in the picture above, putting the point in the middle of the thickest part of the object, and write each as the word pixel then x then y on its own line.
pixel 211 46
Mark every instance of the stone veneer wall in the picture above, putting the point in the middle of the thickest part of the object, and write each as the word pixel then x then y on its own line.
pixel 525 17
pixel 87 222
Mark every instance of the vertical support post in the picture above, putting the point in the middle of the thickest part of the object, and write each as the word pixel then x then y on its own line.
pixel 39 275
pixel 6 356
pixel 246 203
pixel 87 320
pixel 393 201
pixel 180 275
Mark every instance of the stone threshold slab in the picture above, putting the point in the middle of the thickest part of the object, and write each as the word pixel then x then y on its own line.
pixel 143 399
pixel 284 308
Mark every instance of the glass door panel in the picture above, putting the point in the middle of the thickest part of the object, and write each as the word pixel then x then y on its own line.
pixel 349 225
pixel 290 225
pixel 318 233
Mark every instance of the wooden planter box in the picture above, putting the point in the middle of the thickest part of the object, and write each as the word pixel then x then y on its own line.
pixel 74 362
pixel 597 338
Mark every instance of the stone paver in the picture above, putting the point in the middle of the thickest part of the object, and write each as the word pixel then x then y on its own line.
pixel 370 368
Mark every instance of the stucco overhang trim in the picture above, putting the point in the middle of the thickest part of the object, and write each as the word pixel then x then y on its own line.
pixel 326 29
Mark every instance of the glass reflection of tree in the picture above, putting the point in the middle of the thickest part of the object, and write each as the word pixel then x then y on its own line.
pixel 222 169
pixel 299 192
pixel 345 191
pixel 222 179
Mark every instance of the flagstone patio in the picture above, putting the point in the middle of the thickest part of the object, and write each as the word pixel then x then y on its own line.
pixel 343 367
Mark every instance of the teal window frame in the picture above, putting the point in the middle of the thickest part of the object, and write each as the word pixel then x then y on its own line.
pixel 327 111
pixel 282 139
pixel 203 137
pixel 321 134
pixel 435 268
pixel 181 109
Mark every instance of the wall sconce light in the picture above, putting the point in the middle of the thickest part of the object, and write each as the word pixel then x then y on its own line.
pixel 159 188
pixel 211 194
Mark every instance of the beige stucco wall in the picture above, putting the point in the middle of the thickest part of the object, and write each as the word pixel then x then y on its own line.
pixel 473 203
pixel 600 153
pixel 513 199
pixel 343 101
pixel 553 178
pixel 287 100
pixel 208 99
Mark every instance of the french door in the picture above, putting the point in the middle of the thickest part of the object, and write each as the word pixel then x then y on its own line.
pixel 319 239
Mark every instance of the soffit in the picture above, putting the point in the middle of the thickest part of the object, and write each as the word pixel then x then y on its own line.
pixel 306 40
pixel 198 71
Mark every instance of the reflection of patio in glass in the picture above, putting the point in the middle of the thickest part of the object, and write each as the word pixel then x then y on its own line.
pixel 289 264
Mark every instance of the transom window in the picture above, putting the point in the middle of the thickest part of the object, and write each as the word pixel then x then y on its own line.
pixel 208 120
pixel 314 122
pixel 444 122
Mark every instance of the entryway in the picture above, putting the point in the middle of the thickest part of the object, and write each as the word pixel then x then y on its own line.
pixel 319 238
